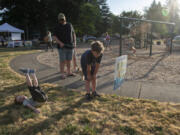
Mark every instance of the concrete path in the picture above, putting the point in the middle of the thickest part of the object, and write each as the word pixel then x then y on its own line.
pixel 157 91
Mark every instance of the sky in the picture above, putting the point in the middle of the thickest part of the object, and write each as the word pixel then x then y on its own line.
pixel 117 6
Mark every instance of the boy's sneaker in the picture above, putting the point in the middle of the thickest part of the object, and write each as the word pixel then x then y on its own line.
pixel 95 94
pixel 23 70
pixel 88 96
pixel 31 71
pixel 27 71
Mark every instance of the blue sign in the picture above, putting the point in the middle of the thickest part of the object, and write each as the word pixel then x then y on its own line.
pixel 120 71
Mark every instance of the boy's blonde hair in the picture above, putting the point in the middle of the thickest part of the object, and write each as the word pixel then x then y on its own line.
pixel 97 46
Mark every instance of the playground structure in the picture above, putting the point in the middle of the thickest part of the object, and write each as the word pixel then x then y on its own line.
pixel 142 30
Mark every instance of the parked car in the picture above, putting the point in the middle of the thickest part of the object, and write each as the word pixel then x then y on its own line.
pixel 102 39
pixel 86 38
pixel 176 41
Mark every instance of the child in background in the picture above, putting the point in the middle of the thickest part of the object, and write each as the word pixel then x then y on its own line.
pixel 74 59
pixel 38 96
pixel 90 63
pixel 107 41
pixel 168 43
pixel 132 46
pixel 49 41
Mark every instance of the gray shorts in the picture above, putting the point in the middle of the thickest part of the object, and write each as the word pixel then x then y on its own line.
pixel 65 54
pixel 107 42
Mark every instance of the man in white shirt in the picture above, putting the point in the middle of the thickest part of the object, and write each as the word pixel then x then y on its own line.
pixel 49 41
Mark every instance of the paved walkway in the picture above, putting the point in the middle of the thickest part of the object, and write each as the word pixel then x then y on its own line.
pixel 158 91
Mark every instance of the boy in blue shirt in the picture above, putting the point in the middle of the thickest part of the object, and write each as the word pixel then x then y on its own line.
pixel 90 63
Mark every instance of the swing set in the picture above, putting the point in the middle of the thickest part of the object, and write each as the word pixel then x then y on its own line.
pixel 170 24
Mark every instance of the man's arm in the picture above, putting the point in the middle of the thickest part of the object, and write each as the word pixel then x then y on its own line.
pixel 58 41
pixel 74 35
pixel 33 108
pixel 74 39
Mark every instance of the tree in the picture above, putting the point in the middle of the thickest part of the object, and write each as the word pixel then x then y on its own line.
pixel 173 16
pixel 115 24
pixel 104 23
pixel 27 14
pixel 87 19
pixel 38 16
pixel 127 24
pixel 154 12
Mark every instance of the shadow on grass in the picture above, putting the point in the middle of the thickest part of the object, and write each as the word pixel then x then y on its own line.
pixel 8 91
pixel 13 113
pixel 75 85
pixel 56 92
pixel 8 118
pixel 18 49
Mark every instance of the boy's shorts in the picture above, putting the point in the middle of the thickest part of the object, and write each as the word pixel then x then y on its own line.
pixel 65 54
pixel 32 89
pixel 84 69
pixel 37 93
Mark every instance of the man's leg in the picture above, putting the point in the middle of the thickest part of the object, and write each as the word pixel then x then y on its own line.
pixel 69 55
pixel 74 61
pixel 62 64
pixel 61 61
pixel 68 63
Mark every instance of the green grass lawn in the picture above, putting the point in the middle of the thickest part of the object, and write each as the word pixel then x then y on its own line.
pixel 68 113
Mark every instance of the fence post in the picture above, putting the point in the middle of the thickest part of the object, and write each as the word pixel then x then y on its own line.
pixel 120 47
pixel 171 39
pixel 150 54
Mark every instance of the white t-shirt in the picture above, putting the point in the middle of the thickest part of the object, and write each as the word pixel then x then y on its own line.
pixel 49 37
pixel 29 101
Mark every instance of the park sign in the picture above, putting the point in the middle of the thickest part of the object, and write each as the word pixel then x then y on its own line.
pixel 120 71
